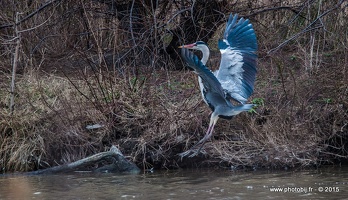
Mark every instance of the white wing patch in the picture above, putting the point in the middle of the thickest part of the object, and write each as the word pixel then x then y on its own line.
pixel 226 42
pixel 230 73
pixel 201 87
pixel 238 61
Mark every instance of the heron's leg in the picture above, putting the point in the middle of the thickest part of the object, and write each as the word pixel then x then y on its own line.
pixel 193 152
pixel 213 119
pixel 203 141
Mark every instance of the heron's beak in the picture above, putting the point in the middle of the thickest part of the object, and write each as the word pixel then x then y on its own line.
pixel 187 46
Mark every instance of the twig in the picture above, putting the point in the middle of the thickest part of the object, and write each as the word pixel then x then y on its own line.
pixel 30 15
pixel 308 28
pixel 14 67
pixel 131 24
pixel 291 8
pixel 174 16
pixel 37 26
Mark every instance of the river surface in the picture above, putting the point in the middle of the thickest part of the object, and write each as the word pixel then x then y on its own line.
pixel 323 183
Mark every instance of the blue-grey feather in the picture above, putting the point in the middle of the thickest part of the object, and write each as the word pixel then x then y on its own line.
pixel 209 80
pixel 238 64
pixel 222 44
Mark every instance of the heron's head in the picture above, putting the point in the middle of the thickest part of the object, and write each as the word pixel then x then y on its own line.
pixel 197 45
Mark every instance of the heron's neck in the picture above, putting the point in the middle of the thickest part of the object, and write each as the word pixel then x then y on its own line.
pixel 205 52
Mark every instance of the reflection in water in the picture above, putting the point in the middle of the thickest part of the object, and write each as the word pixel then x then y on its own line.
pixel 15 188
pixel 186 184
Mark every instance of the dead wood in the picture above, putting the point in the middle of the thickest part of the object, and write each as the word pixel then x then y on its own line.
pixel 116 163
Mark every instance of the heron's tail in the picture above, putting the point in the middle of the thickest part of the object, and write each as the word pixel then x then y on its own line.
pixel 241 108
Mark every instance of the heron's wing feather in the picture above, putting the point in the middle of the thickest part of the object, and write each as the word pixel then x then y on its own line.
pixel 209 81
pixel 238 59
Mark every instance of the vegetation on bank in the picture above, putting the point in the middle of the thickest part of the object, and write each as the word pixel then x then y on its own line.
pixel 84 63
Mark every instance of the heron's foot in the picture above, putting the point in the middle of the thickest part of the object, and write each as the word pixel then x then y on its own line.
pixel 190 153
pixel 184 154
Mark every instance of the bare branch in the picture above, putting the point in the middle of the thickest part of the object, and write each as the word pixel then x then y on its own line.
pixel 49 3
pixel 308 28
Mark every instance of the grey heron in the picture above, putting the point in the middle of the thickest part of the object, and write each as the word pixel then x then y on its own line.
pixel 234 80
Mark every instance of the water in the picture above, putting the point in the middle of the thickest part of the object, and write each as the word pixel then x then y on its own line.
pixel 325 183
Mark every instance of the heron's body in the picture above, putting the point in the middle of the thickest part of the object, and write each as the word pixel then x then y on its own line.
pixel 235 77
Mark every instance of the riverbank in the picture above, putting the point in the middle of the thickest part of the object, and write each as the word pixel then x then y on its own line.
pixel 85 83
pixel 299 122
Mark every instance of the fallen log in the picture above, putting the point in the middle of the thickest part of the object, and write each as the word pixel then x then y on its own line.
pixel 118 164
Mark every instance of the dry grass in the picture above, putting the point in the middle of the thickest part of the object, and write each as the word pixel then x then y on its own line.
pixel 70 80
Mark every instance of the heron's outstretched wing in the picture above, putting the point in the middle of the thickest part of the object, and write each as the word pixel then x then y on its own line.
pixel 238 59
pixel 212 90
